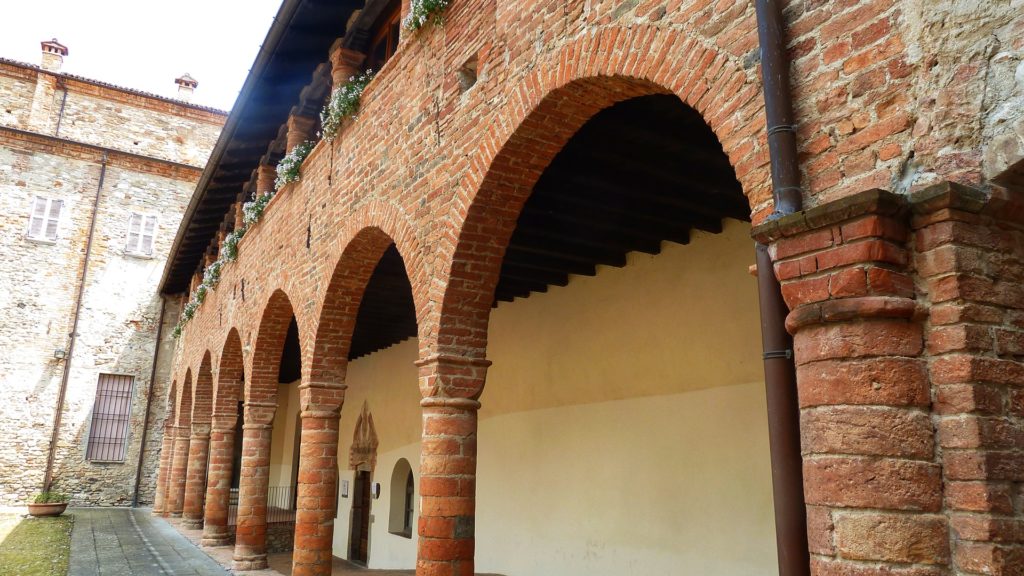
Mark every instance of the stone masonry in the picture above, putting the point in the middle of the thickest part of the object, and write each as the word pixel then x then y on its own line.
pixel 60 135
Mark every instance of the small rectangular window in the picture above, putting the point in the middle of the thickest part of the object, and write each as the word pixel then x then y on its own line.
pixel 45 215
pixel 141 230
pixel 110 412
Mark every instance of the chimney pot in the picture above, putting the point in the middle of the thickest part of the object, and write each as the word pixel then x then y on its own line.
pixel 186 86
pixel 53 54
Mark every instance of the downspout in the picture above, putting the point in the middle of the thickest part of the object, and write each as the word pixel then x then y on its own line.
pixel 149 402
pixel 779 367
pixel 48 477
pixel 63 101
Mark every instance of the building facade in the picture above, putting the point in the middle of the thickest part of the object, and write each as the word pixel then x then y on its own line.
pixel 94 179
pixel 504 319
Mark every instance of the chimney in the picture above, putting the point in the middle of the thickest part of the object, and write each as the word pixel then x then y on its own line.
pixel 53 55
pixel 186 85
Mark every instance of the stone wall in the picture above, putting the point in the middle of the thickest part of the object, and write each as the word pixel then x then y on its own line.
pixel 39 280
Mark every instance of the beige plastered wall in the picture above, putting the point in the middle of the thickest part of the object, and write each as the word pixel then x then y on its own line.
pixel 623 428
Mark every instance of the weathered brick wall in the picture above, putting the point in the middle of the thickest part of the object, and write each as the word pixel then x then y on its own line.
pixel 39 280
pixel 443 171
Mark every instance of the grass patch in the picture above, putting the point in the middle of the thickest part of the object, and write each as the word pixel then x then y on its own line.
pixel 34 546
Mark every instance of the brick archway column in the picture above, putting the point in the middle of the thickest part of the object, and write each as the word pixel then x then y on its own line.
pixel 195 477
pixel 318 480
pixel 450 387
pixel 218 480
pixel 251 529
pixel 970 260
pixel 179 469
pixel 871 479
pixel 166 450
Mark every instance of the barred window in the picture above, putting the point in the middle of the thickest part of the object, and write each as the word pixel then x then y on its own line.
pixel 42 224
pixel 110 413
pixel 141 229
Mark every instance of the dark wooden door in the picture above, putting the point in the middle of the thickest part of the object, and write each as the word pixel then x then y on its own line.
pixel 359 540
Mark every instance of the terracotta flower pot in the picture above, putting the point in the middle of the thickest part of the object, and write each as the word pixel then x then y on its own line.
pixel 51 509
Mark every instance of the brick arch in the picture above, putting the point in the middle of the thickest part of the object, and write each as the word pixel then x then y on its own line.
pixel 172 403
pixel 227 391
pixel 183 412
pixel 547 109
pixel 340 305
pixel 261 388
pixel 202 391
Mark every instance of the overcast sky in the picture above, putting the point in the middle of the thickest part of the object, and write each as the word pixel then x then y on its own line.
pixel 145 44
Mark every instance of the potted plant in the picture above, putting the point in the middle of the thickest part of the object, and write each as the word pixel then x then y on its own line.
pixel 48 504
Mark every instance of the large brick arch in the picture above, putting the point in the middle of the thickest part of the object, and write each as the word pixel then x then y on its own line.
pixel 227 390
pixel 183 413
pixel 202 392
pixel 364 240
pixel 565 90
pixel 261 388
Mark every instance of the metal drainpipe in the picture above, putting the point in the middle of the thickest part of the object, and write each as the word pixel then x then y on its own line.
pixel 779 367
pixel 48 477
pixel 149 402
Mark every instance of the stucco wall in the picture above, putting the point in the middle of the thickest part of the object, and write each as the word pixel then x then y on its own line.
pixel 623 426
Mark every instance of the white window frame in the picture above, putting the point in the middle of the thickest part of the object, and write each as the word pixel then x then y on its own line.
pixel 47 219
pixel 137 225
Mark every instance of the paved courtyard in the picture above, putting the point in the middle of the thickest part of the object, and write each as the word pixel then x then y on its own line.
pixel 125 542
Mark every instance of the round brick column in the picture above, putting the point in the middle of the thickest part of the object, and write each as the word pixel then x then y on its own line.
pixel 218 481
pixel 195 476
pixel 872 483
pixel 179 468
pixel 450 387
pixel 251 529
pixel 318 480
pixel 166 449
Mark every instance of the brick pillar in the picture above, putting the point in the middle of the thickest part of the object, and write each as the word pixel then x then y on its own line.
pixel 218 480
pixel 195 477
pixel 345 64
pixel 265 176
pixel 450 387
pixel 179 468
pixel 166 449
pixel 871 480
pixel 299 129
pixel 318 480
pixel 251 529
pixel 970 258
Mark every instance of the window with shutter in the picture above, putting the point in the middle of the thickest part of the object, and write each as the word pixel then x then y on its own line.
pixel 110 416
pixel 45 216
pixel 141 231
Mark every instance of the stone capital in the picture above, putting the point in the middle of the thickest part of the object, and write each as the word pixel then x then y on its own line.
pixel 299 129
pixel 200 430
pixel 259 414
pixel 265 176
pixel 345 63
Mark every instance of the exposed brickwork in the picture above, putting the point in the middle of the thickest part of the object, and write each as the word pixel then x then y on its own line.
pixel 443 173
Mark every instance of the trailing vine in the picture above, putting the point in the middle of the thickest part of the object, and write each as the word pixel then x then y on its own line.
pixel 422 12
pixel 344 103
pixel 289 169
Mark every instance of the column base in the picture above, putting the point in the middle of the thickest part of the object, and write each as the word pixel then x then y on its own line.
pixel 254 562
pixel 174 514
pixel 216 536
pixel 192 523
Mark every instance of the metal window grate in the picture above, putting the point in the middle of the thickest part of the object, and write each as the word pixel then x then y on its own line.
pixel 110 418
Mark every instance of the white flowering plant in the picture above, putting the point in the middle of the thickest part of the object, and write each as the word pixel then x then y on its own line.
pixel 423 12
pixel 289 169
pixel 229 249
pixel 344 103
pixel 253 210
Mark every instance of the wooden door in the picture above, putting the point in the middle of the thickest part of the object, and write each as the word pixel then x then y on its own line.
pixel 359 539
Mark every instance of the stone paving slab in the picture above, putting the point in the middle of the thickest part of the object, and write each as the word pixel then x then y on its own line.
pixel 129 542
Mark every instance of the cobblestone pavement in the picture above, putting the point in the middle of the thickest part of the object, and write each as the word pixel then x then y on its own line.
pixel 130 542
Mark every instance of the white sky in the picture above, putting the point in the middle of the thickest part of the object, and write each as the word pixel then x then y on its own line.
pixel 145 44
